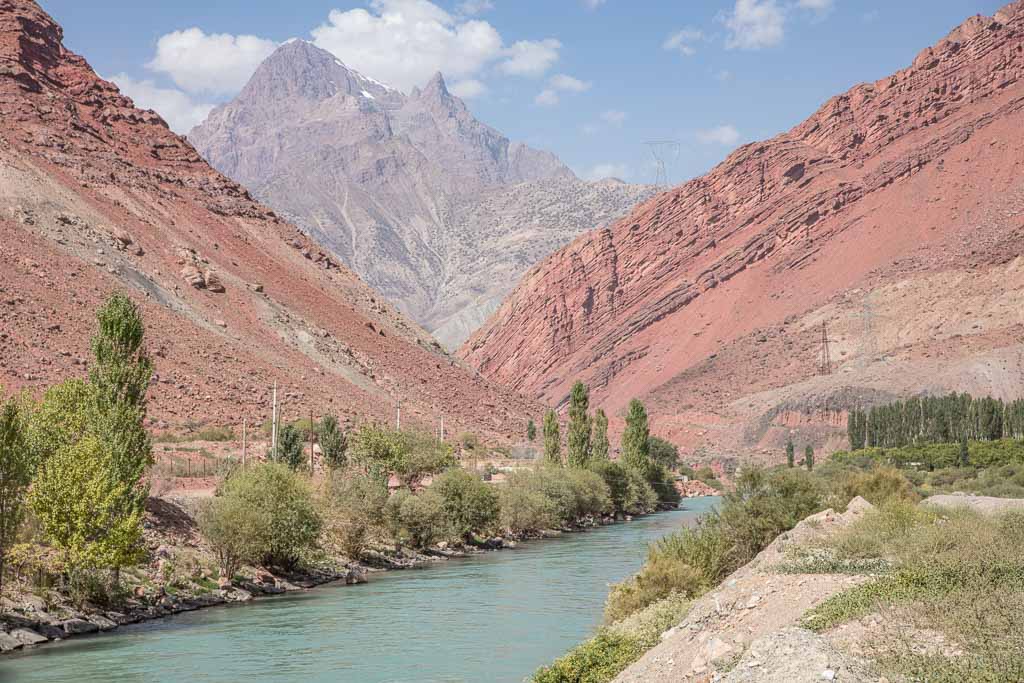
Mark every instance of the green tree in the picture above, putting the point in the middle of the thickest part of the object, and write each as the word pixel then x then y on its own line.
pixel 809 457
pixel 469 504
pixel 599 447
pixel 552 439
pixel 59 420
pixel 790 454
pixel 636 440
pixel 79 502
pixel 290 447
pixel 578 454
pixel 664 453
pixel 119 377
pixel 416 518
pixel 15 476
pixel 333 442
pixel 231 527
pixel 531 430
pixel 411 456
pixel 963 457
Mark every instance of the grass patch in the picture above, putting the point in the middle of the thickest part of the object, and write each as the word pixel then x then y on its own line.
pixel 617 645
pixel 955 573
pixel 202 434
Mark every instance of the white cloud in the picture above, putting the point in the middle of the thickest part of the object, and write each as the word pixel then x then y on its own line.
pixel 468 89
pixel 614 117
pixel 683 41
pixel 471 7
pixel 719 135
pixel 607 170
pixel 816 5
pixel 404 42
pixel 530 57
pixel 568 83
pixel 546 98
pixel 179 110
pixel 755 24
pixel 212 63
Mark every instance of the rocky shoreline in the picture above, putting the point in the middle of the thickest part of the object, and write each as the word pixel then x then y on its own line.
pixel 28 621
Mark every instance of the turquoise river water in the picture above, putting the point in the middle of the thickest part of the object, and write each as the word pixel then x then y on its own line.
pixel 494 617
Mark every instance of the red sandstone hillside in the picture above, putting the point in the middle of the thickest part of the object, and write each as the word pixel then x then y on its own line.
pixel 96 195
pixel 894 214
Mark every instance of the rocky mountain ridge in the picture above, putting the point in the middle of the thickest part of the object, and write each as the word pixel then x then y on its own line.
pixel 397 185
pixel 97 195
pixel 892 216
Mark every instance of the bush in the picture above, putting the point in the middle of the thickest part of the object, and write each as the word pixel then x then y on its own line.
pixel 663 484
pixel 275 510
pixel 878 486
pixel 354 506
pixel 231 526
pixel 470 506
pixel 616 478
pixel 416 518
pixel 524 507
pixel 691 561
pixel 640 496
pixel 598 660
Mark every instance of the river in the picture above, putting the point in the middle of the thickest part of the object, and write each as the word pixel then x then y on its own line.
pixel 494 617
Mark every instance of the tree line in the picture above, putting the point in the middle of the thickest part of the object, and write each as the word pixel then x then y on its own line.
pixel 935 419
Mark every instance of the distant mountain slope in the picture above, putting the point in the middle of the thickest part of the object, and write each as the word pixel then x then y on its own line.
pixel 893 216
pixel 96 195
pixel 383 179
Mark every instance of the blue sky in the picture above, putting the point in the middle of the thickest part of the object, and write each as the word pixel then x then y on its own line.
pixel 590 80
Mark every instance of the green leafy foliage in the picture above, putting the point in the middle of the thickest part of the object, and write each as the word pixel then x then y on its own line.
pixel 411 456
pixel 664 453
pixel 552 439
pixel 600 449
pixel 636 438
pixel 80 504
pixel 468 503
pixel 333 442
pixel 579 426
pixel 289 450
pixel 354 509
pixel 416 518
pixel 15 476
pixel 280 523
pixel 531 430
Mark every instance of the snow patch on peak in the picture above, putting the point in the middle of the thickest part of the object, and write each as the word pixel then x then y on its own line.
pixel 368 95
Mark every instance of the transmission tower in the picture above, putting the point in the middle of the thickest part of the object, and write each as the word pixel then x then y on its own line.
pixel 664 152
pixel 825 367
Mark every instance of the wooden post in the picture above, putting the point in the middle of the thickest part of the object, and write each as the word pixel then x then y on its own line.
pixel 398 417
pixel 243 444
pixel 442 426
pixel 311 430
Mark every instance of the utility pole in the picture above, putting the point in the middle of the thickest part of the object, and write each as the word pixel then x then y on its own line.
pixel 442 426
pixel 398 416
pixel 311 431
pixel 243 444
pixel 273 426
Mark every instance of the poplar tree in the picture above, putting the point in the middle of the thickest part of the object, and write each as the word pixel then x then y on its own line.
pixel 809 457
pixel 599 447
pixel 636 445
pixel 579 426
pixel 790 454
pixel 15 476
pixel 333 442
pixel 531 430
pixel 552 439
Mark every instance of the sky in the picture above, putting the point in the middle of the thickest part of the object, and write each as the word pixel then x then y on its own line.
pixel 591 80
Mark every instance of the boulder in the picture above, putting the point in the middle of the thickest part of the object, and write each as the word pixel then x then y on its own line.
pixel 28 637
pixel 74 627
pixel 9 642
pixel 213 281
pixel 193 276
pixel 102 623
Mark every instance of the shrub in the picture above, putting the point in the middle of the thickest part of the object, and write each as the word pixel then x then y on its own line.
pixel 231 526
pixel 354 505
pixel 469 504
pixel 524 508
pixel 640 496
pixel 597 660
pixel 333 442
pixel 416 518
pixel 280 518
pixel 664 453
pixel 878 486
pixel 289 447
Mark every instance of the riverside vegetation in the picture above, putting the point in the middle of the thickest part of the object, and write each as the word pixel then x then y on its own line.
pixel 74 491
pixel 953 579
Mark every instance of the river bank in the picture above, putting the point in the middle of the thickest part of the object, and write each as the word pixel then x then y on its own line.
pixel 493 616
pixel 29 619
